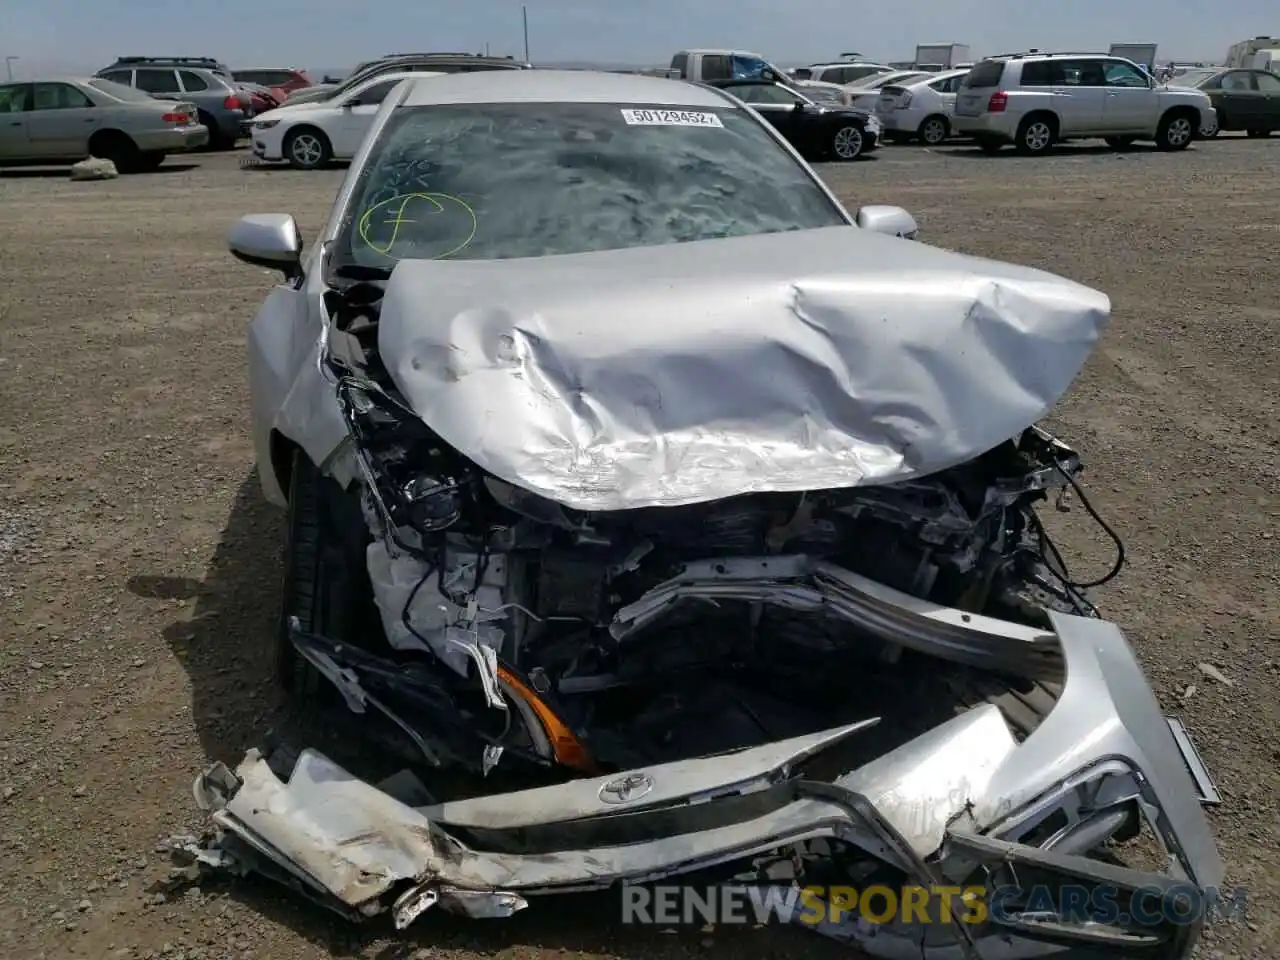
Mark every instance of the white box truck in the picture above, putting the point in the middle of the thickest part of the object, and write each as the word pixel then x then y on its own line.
pixel 1143 54
pixel 936 57
pixel 1241 54
pixel 1268 60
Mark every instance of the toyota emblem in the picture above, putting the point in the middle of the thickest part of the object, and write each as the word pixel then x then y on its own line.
pixel 625 789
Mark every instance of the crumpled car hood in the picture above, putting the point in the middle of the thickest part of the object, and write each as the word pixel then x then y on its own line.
pixel 676 374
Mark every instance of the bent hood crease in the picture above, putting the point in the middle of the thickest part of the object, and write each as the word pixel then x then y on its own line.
pixel 668 375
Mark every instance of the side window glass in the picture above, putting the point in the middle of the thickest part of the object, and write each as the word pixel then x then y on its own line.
pixel 1267 82
pixel 716 67
pixel 158 81
pixel 680 62
pixel 1123 75
pixel 745 68
pixel 1081 73
pixel 59 96
pixel 803 73
pixel 119 76
pixel 1237 80
pixel 194 83
pixel 13 98
pixel 376 93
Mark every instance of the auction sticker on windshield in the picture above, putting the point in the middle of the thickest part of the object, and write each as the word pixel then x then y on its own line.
pixel 670 118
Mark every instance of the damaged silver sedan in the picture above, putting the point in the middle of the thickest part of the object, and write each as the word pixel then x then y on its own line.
pixel 661 518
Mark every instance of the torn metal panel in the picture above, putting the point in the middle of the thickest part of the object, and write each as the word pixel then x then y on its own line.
pixel 689 372
pixel 929 785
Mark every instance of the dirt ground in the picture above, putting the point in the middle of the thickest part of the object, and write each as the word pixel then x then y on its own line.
pixel 138 564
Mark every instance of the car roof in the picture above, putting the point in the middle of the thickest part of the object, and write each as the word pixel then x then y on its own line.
pixel 940 75
pixel 559 86
pixel 718 52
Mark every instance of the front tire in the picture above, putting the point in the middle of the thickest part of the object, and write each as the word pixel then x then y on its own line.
pixel 847 143
pixel 326 581
pixel 933 131
pixel 307 149
pixel 1176 131
pixel 150 162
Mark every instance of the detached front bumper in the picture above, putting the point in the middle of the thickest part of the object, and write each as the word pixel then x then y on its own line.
pixel 956 806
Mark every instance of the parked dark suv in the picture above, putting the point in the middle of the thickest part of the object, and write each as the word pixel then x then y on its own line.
pixel 224 107
pixel 397 62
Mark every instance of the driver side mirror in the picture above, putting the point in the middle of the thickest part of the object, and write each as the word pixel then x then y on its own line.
pixel 268 240
pixel 892 221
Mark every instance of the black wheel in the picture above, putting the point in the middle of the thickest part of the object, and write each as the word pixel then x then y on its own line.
pixel 933 130
pixel 847 142
pixel 989 145
pixel 150 162
pixel 1176 131
pixel 1259 133
pixel 306 148
pixel 117 147
pixel 326 586
pixel 1120 143
pixel 1036 135
pixel 217 139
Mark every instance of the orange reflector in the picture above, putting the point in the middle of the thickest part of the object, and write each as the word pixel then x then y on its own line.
pixel 568 749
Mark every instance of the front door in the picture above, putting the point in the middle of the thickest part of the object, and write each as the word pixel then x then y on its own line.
pixel 775 103
pixel 1131 106
pixel 61 121
pixel 354 116
pixel 13 121
pixel 1240 99
pixel 1269 88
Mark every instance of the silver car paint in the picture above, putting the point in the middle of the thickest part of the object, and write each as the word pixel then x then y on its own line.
pixel 656 376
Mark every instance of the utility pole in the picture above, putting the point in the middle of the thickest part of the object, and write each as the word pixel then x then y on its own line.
pixel 8 63
pixel 524 13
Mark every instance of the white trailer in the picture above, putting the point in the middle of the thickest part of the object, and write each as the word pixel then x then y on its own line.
pixel 1268 60
pixel 936 57
pixel 1143 54
pixel 1241 54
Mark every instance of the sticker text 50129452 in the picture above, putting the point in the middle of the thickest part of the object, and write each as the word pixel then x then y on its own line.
pixel 670 118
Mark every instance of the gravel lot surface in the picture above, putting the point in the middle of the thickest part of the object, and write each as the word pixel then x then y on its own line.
pixel 138 565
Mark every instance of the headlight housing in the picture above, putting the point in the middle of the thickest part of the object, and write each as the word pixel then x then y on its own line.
pixel 264 124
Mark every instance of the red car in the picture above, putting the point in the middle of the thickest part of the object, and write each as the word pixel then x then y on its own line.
pixel 281 80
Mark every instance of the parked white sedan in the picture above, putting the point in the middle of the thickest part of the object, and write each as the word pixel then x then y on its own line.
pixel 920 109
pixel 865 92
pixel 309 135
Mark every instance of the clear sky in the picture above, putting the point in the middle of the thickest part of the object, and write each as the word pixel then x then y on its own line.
pixel 75 35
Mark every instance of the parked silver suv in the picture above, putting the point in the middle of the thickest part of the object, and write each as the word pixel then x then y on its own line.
pixel 1034 100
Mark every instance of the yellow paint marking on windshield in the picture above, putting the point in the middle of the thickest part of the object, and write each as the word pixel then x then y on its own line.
pixel 395 208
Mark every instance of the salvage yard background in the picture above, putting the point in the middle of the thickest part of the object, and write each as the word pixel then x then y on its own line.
pixel 139 566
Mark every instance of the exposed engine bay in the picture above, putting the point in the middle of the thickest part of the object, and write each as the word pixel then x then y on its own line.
pixel 595 641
